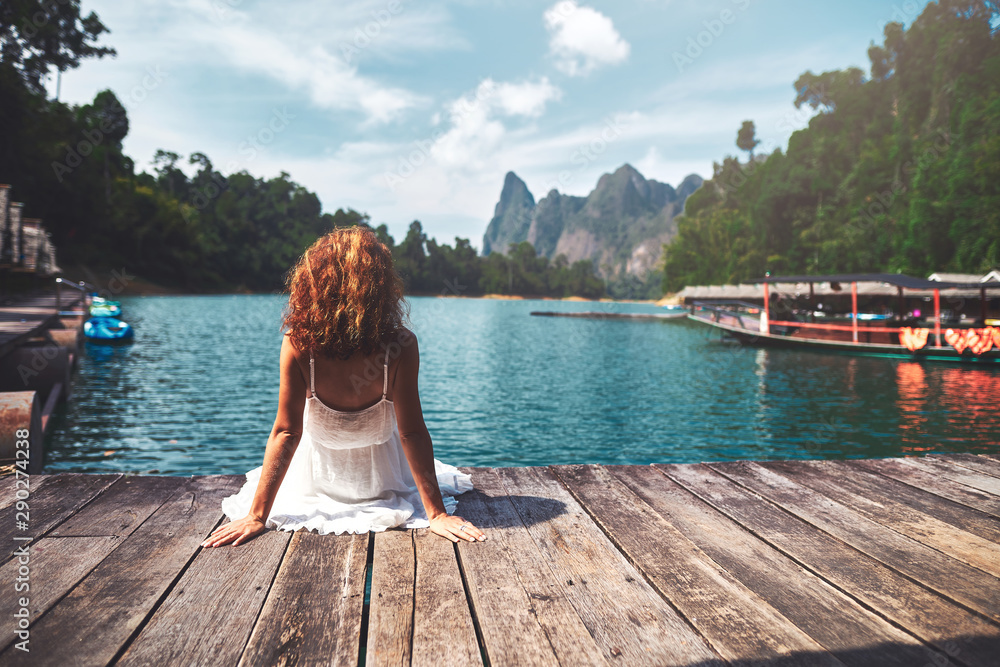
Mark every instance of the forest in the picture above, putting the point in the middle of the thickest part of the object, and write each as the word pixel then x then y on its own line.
pixel 209 232
pixel 899 171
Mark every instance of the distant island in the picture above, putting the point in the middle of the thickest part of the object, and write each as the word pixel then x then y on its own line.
pixel 621 226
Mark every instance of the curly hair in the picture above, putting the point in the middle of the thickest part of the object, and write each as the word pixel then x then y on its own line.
pixel 344 295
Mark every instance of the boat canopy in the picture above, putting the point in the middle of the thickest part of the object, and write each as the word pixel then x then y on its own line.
pixel 897 279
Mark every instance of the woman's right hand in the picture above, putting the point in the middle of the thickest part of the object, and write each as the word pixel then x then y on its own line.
pixel 237 532
pixel 455 528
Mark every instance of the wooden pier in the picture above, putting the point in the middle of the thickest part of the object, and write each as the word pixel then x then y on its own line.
pixel 863 562
pixel 598 315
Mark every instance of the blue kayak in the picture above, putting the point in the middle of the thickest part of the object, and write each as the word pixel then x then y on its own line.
pixel 107 330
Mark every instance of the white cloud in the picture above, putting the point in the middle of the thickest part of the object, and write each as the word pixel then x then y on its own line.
pixel 581 38
pixel 475 131
pixel 526 99
pixel 330 82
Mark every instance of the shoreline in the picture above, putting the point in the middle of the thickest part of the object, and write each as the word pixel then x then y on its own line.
pixel 137 286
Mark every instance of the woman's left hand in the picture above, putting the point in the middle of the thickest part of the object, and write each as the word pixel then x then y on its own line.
pixel 455 527
pixel 237 532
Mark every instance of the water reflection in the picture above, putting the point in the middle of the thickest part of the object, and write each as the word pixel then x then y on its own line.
pixel 197 392
pixel 912 383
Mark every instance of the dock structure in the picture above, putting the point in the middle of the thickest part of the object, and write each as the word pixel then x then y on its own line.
pixel 599 315
pixel 861 562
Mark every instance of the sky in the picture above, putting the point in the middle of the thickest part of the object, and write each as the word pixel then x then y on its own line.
pixel 410 110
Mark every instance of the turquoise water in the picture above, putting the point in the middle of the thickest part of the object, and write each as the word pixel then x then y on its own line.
pixel 197 392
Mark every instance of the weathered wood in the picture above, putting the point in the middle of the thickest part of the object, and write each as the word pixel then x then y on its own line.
pixel 878 488
pixel 938 621
pixel 312 615
pixel 49 505
pixel 68 553
pixel 443 630
pixel 206 619
pixel 939 486
pixel 738 624
pixel 524 616
pixel 833 619
pixel 939 572
pixel 971 461
pixel 122 506
pixel 55 566
pixel 629 620
pixel 956 473
pixel 101 613
pixel 390 615
pixel 9 487
pixel 867 500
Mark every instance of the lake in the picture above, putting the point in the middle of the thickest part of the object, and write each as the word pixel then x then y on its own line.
pixel 197 392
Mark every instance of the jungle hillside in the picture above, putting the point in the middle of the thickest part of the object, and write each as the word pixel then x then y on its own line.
pixel 899 171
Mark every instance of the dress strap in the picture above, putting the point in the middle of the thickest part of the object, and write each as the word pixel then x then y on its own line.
pixel 312 374
pixel 385 375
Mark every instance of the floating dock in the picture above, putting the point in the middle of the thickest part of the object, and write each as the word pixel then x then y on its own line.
pixel 597 315
pixel 41 338
pixel 863 562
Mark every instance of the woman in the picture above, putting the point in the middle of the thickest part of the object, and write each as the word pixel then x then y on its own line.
pixel 349 451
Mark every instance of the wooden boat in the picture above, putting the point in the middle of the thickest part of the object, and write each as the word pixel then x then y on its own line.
pixel 796 322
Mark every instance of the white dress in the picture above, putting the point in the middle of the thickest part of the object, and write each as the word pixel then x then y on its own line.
pixel 348 474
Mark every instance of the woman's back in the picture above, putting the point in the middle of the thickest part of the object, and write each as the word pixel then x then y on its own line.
pixel 335 459
pixel 335 428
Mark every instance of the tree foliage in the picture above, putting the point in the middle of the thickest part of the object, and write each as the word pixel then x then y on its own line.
pixel 38 35
pixel 899 171
pixel 206 231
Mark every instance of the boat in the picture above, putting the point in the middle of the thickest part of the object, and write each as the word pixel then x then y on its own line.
pixel 105 329
pixel 894 318
pixel 101 307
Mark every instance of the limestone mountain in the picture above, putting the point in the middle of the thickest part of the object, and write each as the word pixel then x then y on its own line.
pixel 622 225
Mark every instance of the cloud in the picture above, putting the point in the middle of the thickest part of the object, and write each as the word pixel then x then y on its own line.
pixel 327 73
pixel 582 39
pixel 475 130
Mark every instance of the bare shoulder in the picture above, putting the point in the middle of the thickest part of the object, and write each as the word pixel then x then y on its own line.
pixel 405 348
pixel 290 356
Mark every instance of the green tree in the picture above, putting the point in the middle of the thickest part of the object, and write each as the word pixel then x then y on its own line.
pixel 746 138
pixel 38 35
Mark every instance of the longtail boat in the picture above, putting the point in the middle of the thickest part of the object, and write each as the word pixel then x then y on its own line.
pixel 896 319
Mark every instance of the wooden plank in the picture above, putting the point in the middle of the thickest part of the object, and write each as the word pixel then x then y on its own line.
pixel 740 625
pixel 833 619
pixel 938 621
pixel 955 473
pixel 947 576
pixel 55 566
pixel 971 461
pixel 877 487
pixel 628 619
pixel 123 506
pixel 939 486
pixel 312 615
pixel 524 615
pixel 131 581
pixel 50 504
pixel 868 501
pixel 64 557
pixel 206 619
pixel 10 484
pixel 390 614
pixel 443 630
